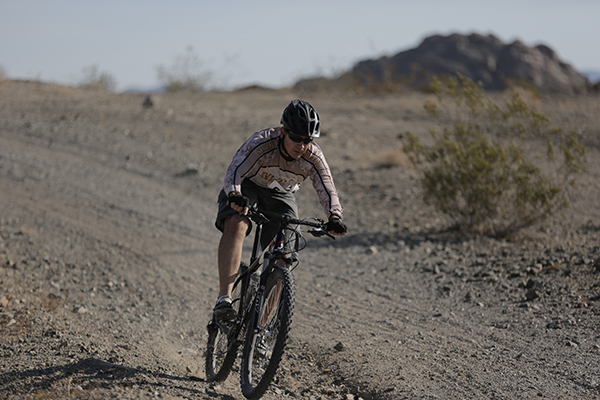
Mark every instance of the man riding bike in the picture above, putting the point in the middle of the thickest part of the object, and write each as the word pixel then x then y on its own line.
pixel 266 171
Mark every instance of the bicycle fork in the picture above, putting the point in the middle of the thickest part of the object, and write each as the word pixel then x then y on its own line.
pixel 260 320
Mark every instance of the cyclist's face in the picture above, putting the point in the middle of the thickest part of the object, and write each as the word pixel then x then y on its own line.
pixel 294 149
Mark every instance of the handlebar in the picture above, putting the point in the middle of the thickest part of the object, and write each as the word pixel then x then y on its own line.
pixel 262 216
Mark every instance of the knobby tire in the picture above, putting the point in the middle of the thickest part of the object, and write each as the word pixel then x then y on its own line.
pixel 220 354
pixel 264 345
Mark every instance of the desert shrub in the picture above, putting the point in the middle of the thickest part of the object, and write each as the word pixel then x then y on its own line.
pixel 95 79
pixel 485 168
pixel 3 74
pixel 186 73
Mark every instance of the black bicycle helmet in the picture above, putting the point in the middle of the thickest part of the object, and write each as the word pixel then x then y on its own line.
pixel 301 119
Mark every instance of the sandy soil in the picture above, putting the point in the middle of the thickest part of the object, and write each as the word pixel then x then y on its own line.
pixel 108 254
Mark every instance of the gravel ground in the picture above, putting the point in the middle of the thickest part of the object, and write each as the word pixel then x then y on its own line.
pixel 108 258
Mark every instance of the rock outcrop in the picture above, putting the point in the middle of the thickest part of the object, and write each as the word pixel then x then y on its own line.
pixel 482 58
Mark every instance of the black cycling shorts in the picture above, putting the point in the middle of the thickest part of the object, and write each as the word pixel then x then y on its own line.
pixel 266 199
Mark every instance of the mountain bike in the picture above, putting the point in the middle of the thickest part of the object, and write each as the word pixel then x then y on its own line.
pixel 264 301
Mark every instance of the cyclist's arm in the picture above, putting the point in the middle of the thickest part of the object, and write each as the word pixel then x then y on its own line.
pixel 322 180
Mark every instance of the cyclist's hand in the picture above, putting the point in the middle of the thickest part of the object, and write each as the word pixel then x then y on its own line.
pixel 239 202
pixel 336 227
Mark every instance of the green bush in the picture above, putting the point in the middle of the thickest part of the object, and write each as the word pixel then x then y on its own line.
pixel 485 169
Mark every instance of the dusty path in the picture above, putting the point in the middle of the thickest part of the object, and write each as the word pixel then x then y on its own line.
pixel 107 256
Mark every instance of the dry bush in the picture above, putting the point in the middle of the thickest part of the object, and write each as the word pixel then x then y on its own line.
pixel 3 74
pixel 186 73
pixel 95 79
pixel 386 159
pixel 393 158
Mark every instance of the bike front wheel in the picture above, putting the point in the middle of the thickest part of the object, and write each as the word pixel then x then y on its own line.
pixel 266 340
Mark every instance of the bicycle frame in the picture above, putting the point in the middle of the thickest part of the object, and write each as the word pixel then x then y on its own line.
pixel 255 261
pixel 265 315
pixel 268 257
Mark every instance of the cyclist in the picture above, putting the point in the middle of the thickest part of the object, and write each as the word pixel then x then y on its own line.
pixel 266 171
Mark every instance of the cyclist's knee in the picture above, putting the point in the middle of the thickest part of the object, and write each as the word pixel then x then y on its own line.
pixel 236 224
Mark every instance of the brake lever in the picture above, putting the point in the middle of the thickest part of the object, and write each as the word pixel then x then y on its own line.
pixel 257 217
pixel 320 232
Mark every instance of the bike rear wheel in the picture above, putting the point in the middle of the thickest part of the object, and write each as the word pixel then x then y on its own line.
pixel 265 343
pixel 220 354
pixel 221 348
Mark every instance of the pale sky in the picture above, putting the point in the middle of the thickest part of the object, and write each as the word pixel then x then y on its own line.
pixel 266 42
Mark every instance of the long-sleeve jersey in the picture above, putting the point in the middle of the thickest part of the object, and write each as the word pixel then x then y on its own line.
pixel 260 160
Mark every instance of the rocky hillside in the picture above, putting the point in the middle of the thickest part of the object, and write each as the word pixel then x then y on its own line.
pixel 482 58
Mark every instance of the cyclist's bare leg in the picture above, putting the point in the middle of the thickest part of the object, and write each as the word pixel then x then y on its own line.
pixel 230 251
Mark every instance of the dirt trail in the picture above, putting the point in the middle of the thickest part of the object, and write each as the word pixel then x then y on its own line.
pixel 108 252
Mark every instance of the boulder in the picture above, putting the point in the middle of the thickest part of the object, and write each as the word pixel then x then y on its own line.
pixel 483 58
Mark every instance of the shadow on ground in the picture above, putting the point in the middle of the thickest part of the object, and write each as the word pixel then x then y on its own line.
pixel 91 373
pixel 409 239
